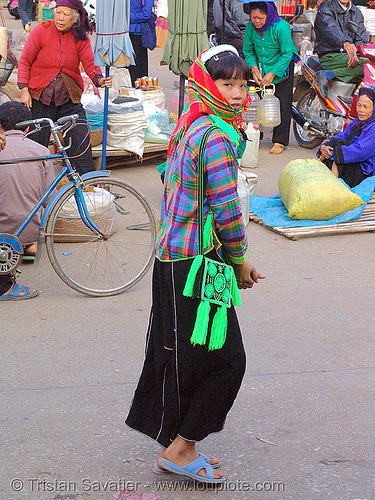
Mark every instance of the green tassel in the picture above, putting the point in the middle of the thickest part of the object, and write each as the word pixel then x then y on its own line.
pixel 207 231
pixel 190 280
pixel 199 335
pixel 236 297
pixel 219 329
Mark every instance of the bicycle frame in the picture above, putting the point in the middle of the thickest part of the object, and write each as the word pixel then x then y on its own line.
pixel 75 180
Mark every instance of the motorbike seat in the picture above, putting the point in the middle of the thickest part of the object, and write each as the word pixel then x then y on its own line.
pixel 314 64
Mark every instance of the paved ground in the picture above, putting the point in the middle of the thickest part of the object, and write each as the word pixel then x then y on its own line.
pixel 302 427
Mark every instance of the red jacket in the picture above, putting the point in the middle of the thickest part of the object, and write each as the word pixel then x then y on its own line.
pixel 48 51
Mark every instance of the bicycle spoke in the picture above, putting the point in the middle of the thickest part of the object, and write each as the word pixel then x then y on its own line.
pixel 102 265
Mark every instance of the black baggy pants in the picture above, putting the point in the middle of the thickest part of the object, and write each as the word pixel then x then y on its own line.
pixel 184 390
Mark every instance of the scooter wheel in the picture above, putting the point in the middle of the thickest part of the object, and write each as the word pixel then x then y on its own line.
pixel 307 104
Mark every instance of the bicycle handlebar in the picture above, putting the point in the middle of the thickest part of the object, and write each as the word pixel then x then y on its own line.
pixel 65 119
pixel 60 121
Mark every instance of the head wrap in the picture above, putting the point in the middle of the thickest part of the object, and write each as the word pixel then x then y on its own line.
pixel 272 14
pixel 371 95
pixel 83 25
pixel 205 99
pixel 367 91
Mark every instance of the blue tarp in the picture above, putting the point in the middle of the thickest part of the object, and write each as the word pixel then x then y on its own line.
pixel 272 211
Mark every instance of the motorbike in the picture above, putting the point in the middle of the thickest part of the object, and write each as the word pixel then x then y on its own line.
pixel 315 117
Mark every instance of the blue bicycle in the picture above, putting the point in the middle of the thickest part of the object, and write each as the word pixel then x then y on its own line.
pixel 99 231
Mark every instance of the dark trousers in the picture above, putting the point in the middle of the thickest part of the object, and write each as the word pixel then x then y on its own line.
pixel 25 9
pixel 141 59
pixel 351 173
pixel 284 92
pixel 80 134
pixel 184 390
pixel 5 283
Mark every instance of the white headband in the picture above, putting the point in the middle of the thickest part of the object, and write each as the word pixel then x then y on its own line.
pixel 214 51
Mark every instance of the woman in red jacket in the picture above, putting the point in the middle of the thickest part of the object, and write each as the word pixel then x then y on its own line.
pixel 50 80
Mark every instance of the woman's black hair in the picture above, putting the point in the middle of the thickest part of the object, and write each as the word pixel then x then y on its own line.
pixel 13 112
pixel 80 33
pixel 80 29
pixel 262 6
pixel 227 65
pixel 368 92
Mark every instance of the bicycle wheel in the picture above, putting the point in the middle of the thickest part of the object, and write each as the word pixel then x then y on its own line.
pixel 89 263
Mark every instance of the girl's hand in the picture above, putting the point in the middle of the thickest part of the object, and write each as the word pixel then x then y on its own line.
pixel 247 275
pixel 26 97
pixel 3 141
pixel 267 79
pixel 244 126
pixel 256 74
pixel 105 82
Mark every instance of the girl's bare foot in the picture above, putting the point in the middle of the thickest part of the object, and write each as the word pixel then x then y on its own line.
pixel 182 452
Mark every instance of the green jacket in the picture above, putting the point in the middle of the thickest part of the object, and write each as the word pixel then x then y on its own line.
pixel 271 52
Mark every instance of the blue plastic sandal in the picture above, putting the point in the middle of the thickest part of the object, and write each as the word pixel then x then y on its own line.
pixel 14 293
pixel 158 470
pixel 191 470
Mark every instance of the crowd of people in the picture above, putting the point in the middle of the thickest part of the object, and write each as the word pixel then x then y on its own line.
pixel 195 360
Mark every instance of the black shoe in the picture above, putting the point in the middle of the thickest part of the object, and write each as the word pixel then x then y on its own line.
pixel 324 83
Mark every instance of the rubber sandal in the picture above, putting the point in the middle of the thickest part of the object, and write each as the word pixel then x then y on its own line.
pixel 158 470
pixel 191 470
pixel 277 149
pixel 14 293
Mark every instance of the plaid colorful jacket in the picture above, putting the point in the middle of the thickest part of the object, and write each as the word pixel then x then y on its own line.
pixel 177 238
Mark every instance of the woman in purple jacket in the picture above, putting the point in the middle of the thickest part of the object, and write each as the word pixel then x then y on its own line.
pixel 140 14
pixel 351 154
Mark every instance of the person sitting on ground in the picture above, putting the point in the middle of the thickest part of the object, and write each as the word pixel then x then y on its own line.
pixel 340 29
pixel 21 187
pixel 350 154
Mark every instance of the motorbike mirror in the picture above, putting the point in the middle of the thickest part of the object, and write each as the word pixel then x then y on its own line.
pixel 352 27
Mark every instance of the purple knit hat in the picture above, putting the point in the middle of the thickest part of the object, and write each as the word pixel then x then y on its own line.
pixel 84 24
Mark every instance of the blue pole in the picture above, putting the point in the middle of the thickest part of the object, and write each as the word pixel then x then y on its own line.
pixel 105 121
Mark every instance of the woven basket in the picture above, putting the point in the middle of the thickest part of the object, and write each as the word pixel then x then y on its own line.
pixel 96 137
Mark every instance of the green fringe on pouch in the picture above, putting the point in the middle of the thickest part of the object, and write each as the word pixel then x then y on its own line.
pixel 236 297
pixel 207 230
pixel 190 280
pixel 199 335
pixel 219 329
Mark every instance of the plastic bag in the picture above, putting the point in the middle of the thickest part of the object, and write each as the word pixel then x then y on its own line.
pixel 92 103
pixel 96 121
pixel 159 129
pixel 125 107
